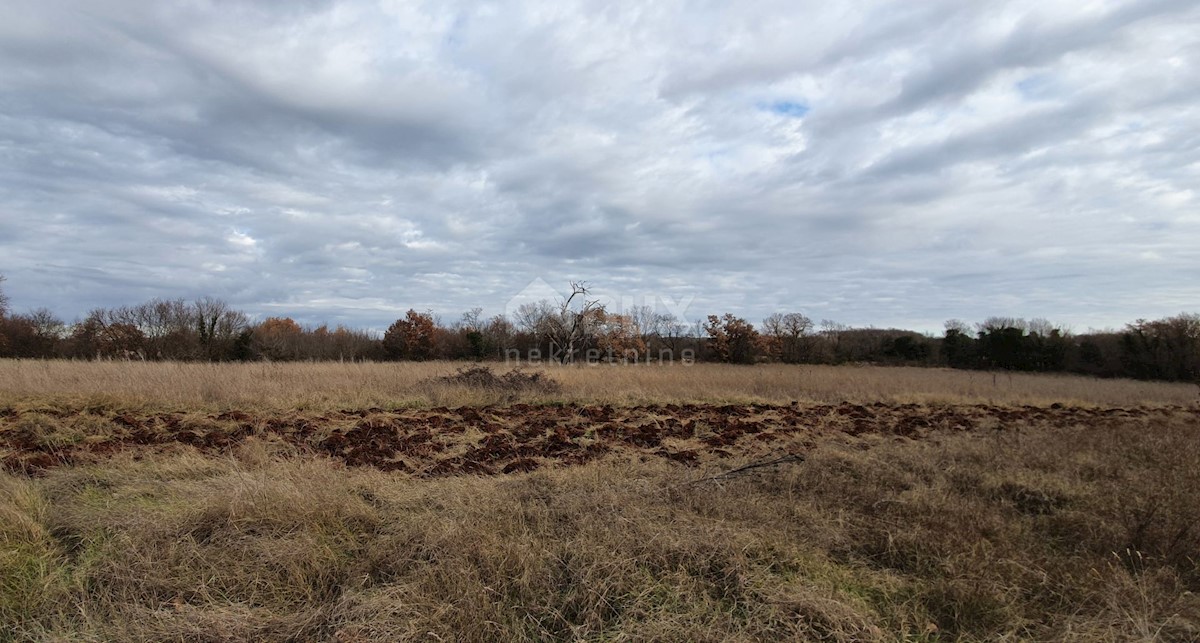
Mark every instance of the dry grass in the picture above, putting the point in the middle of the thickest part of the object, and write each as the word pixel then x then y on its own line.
pixel 1080 526
pixel 395 385
pixel 1067 534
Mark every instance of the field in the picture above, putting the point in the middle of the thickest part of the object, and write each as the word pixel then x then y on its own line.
pixel 355 502
pixel 287 386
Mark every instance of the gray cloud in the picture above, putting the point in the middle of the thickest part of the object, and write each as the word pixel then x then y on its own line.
pixel 344 161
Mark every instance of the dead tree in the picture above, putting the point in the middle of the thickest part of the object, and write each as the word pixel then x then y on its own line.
pixel 570 329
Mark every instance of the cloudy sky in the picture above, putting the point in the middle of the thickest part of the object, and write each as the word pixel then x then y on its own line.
pixel 886 163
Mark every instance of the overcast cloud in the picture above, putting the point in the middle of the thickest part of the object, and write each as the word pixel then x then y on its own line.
pixel 885 163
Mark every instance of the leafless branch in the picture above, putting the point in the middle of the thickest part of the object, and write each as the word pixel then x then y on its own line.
pixel 792 458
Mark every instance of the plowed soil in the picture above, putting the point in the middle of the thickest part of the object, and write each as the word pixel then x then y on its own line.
pixel 505 439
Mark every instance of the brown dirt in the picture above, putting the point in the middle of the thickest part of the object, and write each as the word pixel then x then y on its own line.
pixel 434 442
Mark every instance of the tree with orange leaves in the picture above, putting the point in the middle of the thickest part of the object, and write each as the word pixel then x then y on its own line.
pixel 731 338
pixel 619 338
pixel 278 338
pixel 410 337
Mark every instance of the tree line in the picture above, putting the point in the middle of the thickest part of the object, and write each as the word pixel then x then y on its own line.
pixel 579 328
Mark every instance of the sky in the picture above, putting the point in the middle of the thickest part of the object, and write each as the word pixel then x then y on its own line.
pixel 894 164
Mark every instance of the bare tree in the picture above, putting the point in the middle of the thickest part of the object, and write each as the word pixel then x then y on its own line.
pixel 499 333
pixel 566 326
pixel 169 327
pixel 672 331
pixel 833 332
pixel 472 320
pixel 645 319
pixel 1044 327
pixel 217 324
pixel 46 324
pixel 3 299
pixel 1000 323
pixel 4 343
pixel 958 326
pixel 572 327
pixel 799 332
pixel 789 336
pixel 531 317
pixel 108 334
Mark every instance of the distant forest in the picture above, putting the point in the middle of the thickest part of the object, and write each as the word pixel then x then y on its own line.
pixel 579 329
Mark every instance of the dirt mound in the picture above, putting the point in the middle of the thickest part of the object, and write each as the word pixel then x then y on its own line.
pixel 514 381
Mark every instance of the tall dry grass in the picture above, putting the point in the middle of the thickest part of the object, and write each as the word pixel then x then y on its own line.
pixel 1080 533
pixel 390 385
pixel 1073 534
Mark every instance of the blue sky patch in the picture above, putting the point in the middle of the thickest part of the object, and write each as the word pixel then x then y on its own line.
pixel 787 108
pixel 1035 87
